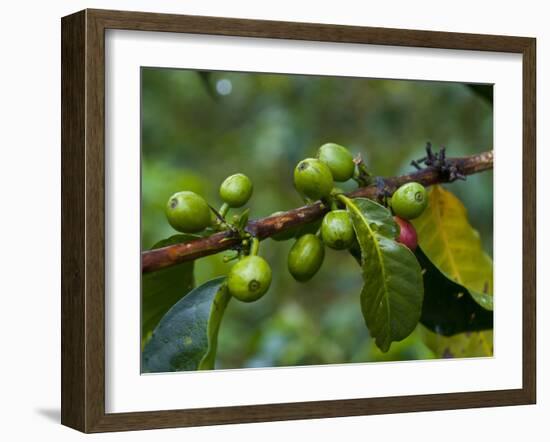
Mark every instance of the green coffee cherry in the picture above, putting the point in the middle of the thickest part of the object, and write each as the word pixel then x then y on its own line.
pixel 337 230
pixel 409 201
pixel 338 159
pixel 249 279
pixel 313 179
pixel 188 212
pixel 305 257
pixel 236 190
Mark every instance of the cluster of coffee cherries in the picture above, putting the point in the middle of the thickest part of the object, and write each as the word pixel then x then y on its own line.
pixel 314 178
pixel 250 278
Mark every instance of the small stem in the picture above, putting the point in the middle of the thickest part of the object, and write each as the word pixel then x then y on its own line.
pixel 220 224
pixel 255 247
pixel 342 198
pixel 361 174
pixel 223 210
pixel 228 258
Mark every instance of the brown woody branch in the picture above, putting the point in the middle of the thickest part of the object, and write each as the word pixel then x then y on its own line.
pixel 263 228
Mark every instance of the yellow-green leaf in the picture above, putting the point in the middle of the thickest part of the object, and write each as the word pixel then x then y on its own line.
pixel 454 246
pixel 461 345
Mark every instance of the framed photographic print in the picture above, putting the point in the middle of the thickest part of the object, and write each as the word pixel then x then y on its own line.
pixel 270 220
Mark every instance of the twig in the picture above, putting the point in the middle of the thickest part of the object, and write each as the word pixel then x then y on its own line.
pixel 157 259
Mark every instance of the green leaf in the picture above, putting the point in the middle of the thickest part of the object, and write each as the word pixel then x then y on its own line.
pixel 379 218
pixel 206 79
pixel 447 309
pixel 454 246
pixel 462 345
pixel 186 338
pixel 391 298
pixel 163 288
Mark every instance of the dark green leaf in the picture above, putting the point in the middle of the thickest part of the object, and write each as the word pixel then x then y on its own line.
pixel 447 309
pixel 206 79
pixel 379 217
pixel 163 288
pixel 485 91
pixel 186 337
pixel 391 299
pixel 485 300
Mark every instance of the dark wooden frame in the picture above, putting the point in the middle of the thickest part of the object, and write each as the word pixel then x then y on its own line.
pixel 83 216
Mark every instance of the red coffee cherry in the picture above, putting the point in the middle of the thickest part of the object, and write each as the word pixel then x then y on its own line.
pixel 407 233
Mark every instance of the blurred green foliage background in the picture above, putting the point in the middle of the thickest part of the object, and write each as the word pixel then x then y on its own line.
pixel 199 127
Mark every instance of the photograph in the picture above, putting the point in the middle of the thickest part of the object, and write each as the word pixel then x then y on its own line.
pixel 302 220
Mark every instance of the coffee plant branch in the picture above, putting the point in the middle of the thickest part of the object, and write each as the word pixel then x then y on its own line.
pixel 157 259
